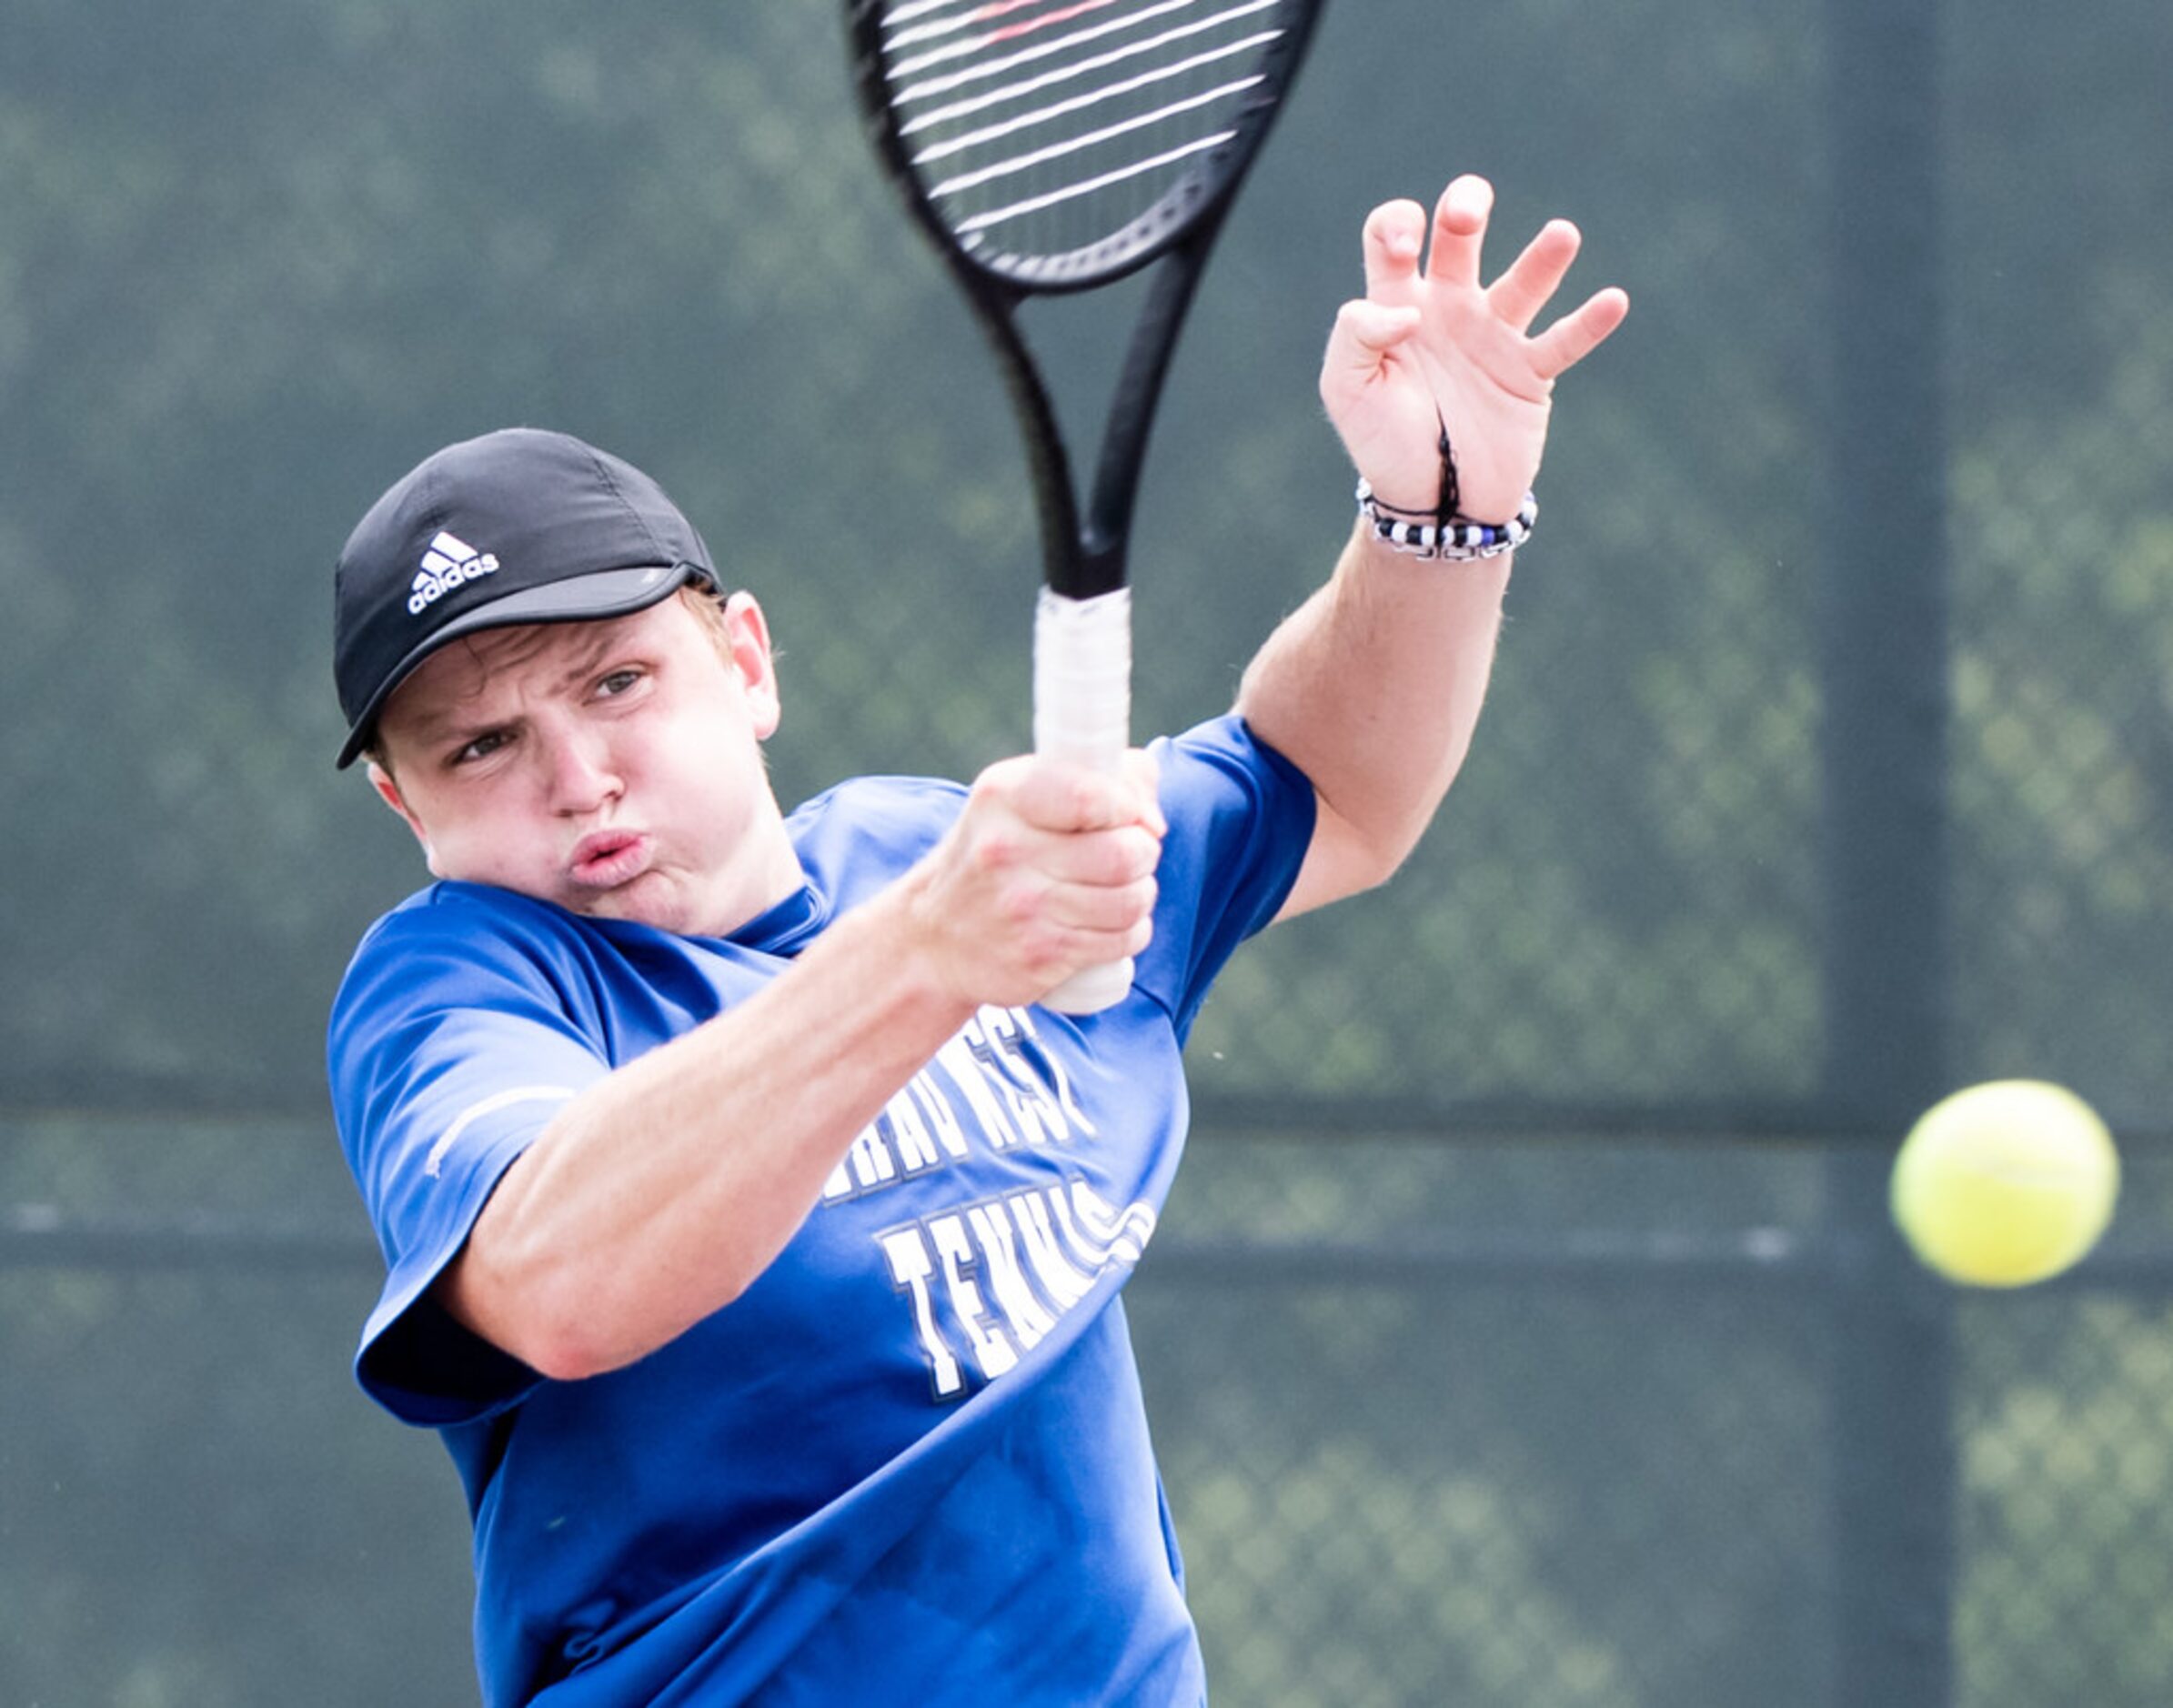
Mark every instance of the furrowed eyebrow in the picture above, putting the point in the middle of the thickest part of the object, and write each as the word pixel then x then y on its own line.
pixel 437 730
pixel 601 645
pixel 461 721
pixel 580 661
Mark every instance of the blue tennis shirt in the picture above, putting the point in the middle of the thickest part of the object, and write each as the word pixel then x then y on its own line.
pixel 909 1464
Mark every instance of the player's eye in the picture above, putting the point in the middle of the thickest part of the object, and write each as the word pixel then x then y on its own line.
pixel 617 682
pixel 480 747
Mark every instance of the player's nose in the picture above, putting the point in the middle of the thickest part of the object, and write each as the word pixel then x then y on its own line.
pixel 580 774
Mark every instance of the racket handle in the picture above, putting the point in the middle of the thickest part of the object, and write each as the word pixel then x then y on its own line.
pixel 1083 712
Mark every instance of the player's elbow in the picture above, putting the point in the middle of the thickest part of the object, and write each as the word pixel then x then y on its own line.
pixel 558 1325
pixel 1373 866
pixel 1345 859
pixel 569 1320
pixel 566 1349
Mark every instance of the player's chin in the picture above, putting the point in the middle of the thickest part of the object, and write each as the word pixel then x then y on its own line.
pixel 648 900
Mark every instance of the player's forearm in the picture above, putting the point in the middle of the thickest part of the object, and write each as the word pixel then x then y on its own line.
pixel 1373 689
pixel 658 1195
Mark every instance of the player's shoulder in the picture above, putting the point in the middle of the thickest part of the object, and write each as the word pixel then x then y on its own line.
pixel 893 811
pixel 477 923
pixel 860 835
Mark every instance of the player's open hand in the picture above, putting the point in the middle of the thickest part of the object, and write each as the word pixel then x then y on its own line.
pixel 1429 347
pixel 1049 869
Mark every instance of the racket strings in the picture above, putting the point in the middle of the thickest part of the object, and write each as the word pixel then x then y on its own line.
pixel 1047 127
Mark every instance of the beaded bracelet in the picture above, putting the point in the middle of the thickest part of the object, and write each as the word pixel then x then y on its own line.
pixel 1454 542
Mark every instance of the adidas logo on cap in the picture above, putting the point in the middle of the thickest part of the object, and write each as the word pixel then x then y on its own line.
pixel 450 562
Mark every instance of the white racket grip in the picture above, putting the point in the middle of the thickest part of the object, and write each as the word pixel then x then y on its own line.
pixel 1083 712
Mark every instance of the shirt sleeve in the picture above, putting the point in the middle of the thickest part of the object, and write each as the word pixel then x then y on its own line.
pixel 456 1036
pixel 1241 818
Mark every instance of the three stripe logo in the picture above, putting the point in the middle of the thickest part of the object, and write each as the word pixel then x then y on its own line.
pixel 449 563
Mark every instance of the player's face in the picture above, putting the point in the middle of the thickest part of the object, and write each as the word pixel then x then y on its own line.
pixel 614 767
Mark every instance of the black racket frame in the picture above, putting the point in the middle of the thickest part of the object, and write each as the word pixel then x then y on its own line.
pixel 1085 556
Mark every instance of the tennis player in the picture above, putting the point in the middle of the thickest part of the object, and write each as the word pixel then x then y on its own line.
pixel 753 1239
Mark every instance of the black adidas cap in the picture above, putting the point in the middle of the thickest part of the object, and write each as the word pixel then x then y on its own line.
pixel 516 527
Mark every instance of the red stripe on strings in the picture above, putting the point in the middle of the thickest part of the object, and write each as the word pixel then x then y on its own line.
pixel 1062 14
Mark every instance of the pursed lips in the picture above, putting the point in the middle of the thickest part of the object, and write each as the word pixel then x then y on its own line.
pixel 603 859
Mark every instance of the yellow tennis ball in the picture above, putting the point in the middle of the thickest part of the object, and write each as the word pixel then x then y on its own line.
pixel 2006 1183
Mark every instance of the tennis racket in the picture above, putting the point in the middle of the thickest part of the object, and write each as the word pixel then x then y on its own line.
pixel 1050 147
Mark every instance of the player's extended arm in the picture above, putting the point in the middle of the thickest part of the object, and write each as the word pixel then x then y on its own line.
pixel 1374 686
pixel 657 1196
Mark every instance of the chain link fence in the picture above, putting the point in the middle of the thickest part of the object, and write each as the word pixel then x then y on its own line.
pixel 1526 1328
pixel 1534 1419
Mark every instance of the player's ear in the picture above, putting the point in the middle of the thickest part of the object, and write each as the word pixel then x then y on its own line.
pixel 746 646
pixel 388 791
